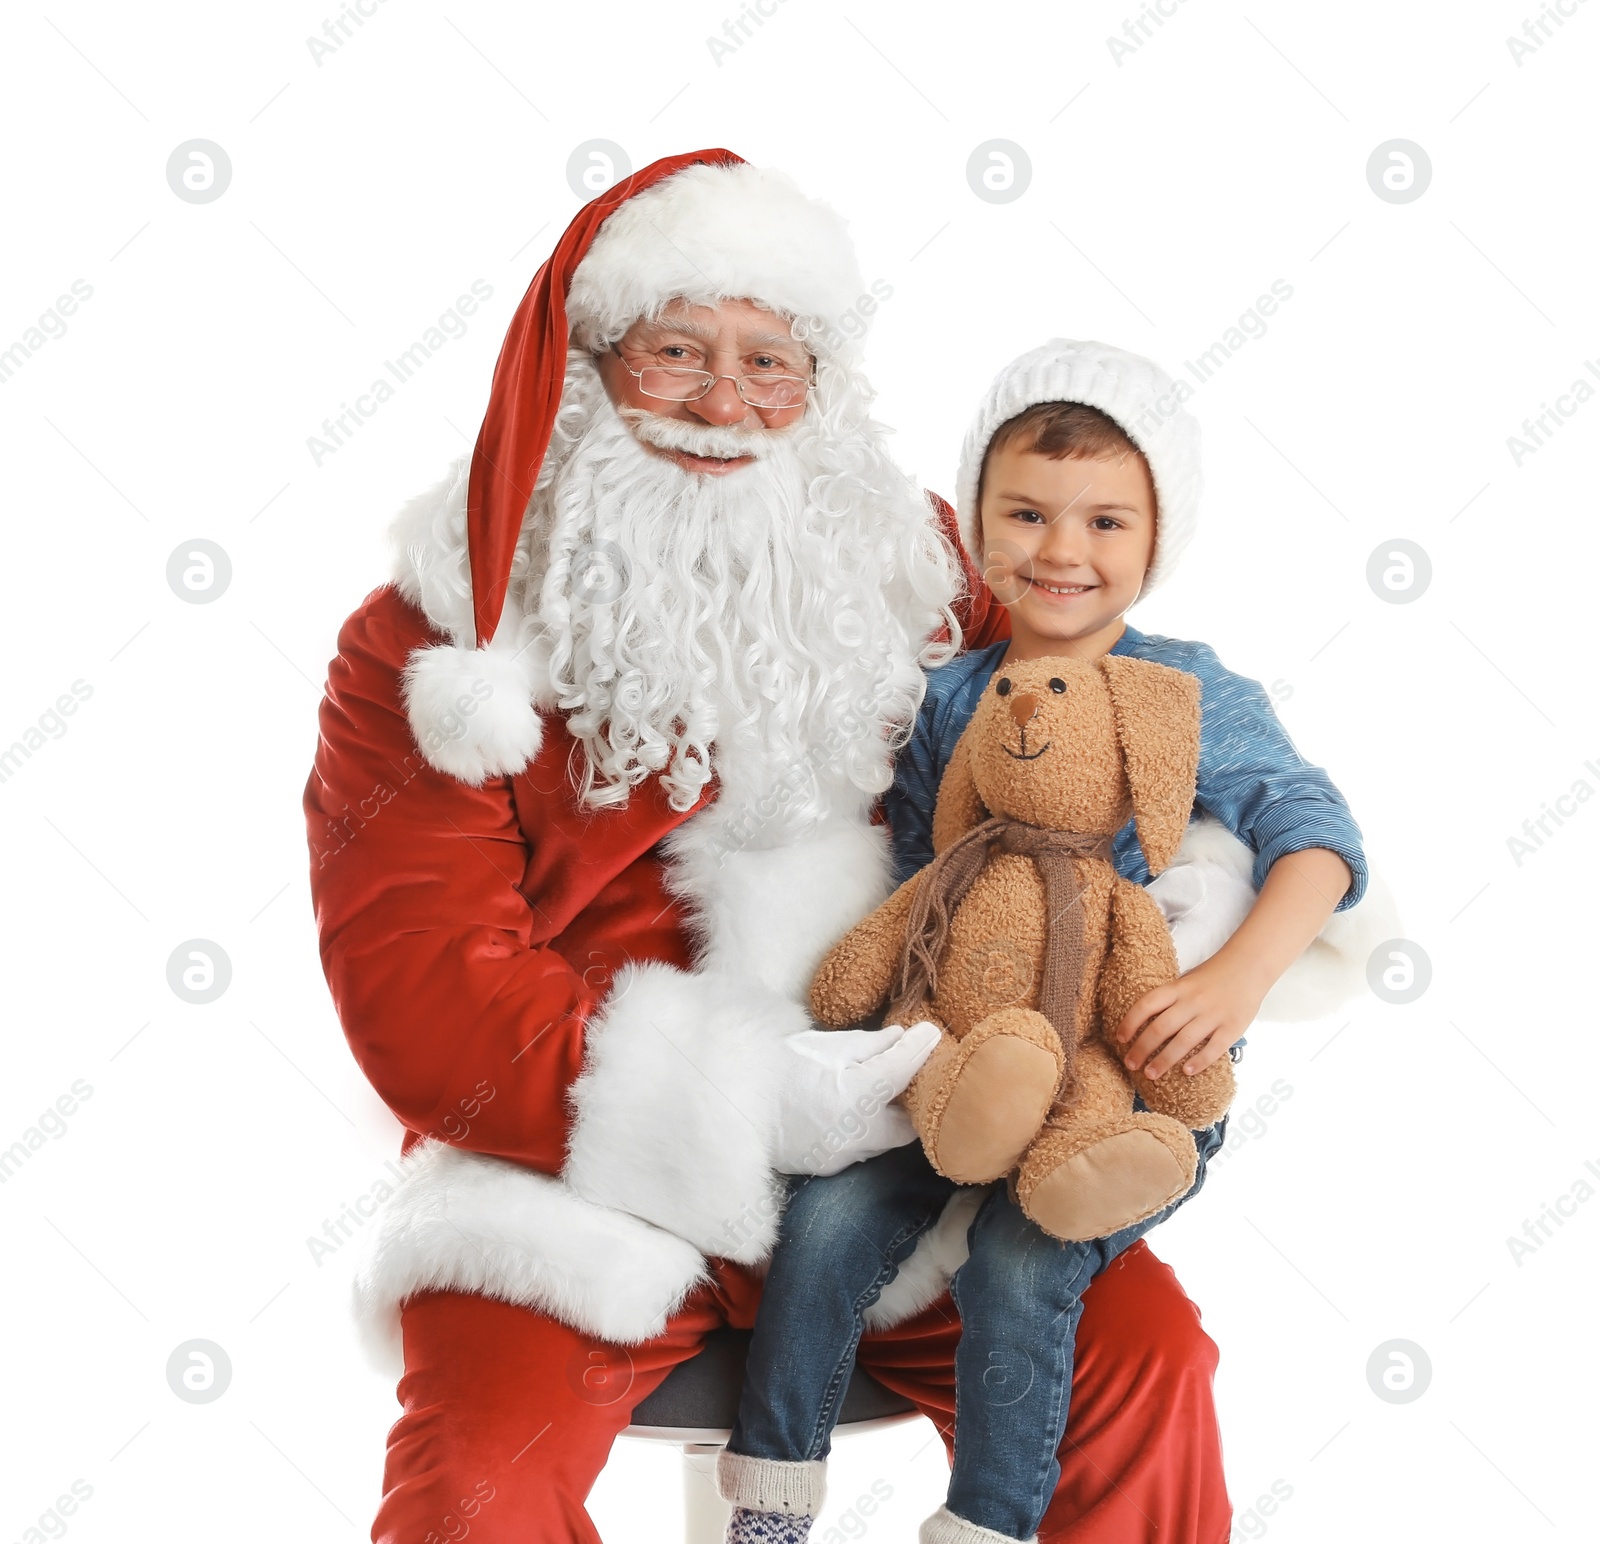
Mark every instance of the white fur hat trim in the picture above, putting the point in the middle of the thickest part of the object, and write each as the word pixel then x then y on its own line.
pixel 1137 393
pixel 710 233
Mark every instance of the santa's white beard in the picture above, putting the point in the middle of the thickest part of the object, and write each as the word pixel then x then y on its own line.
pixel 694 624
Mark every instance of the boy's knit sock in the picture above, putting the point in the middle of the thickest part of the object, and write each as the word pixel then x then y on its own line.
pixel 748 1526
pixel 944 1527
pixel 774 1500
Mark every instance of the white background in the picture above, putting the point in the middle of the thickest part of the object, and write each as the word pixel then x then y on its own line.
pixel 1168 191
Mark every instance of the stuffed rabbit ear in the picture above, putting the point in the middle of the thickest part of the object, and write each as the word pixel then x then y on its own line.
pixel 1158 725
pixel 958 808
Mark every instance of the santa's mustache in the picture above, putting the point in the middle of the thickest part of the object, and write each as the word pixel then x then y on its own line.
pixel 723 441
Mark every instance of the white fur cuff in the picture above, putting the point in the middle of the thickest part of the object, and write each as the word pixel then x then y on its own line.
pixel 944 1527
pixel 464 1222
pixel 675 1112
pixel 797 1489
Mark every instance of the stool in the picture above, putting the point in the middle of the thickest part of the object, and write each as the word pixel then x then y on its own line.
pixel 695 1407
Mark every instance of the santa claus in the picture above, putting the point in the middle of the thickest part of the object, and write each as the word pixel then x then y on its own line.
pixel 594 792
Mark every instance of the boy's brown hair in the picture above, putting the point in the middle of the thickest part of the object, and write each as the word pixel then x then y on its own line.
pixel 1063 431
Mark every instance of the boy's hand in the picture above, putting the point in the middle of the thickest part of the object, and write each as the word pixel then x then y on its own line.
pixel 1189 1022
pixel 1193 1020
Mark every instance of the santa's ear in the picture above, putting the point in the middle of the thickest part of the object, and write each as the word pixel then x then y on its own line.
pixel 1158 726
pixel 958 808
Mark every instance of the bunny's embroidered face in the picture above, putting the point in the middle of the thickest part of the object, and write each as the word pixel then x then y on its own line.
pixel 1079 745
pixel 1045 748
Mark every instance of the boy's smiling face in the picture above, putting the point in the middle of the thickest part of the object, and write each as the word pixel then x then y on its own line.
pixel 1066 545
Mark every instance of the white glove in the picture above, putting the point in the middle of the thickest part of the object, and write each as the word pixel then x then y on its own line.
pixel 834 1106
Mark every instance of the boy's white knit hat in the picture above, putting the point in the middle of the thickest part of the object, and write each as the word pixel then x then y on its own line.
pixel 1144 400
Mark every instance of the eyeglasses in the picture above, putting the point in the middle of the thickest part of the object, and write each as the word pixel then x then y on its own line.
pixel 669 384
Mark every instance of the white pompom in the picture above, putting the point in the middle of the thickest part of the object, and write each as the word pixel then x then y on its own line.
pixel 472 710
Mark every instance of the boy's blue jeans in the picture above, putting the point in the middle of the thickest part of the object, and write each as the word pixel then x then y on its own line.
pixel 1019 1294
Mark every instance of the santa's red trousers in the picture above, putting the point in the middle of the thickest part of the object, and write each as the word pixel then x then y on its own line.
pixel 508 1416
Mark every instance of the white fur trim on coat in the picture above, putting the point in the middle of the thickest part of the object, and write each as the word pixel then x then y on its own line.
pixel 773 912
pixel 710 233
pixel 1207 892
pixel 428 553
pixel 464 1222
pixel 675 1113
pixel 676 1108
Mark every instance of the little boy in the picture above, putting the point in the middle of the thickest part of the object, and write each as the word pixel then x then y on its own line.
pixel 1078 487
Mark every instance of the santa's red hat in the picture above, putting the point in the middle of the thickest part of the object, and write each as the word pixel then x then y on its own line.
pixel 705 226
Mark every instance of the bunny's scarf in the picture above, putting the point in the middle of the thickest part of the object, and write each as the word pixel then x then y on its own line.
pixel 945 883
